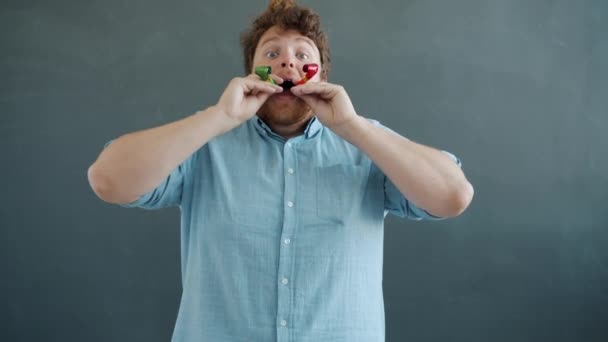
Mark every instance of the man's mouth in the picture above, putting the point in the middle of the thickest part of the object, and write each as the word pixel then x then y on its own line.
pixel 286 93
pixel 287 85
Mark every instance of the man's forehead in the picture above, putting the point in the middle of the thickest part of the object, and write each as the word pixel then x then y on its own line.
pixel 275 34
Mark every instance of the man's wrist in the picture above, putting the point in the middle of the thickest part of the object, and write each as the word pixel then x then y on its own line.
pixel 217 119
pixel 353 128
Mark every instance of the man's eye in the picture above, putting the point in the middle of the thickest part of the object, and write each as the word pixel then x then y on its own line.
pixel 302 56
pixel 271 54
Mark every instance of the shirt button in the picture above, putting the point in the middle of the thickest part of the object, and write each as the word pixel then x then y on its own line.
pixel 290 204
pixel 284 281
pixel 287 241
pixel 290 171
pixel 283 322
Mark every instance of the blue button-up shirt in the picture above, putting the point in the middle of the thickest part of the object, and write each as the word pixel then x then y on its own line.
pixel 280 240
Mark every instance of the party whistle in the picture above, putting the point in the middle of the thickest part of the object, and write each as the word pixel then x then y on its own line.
pixel 310 70
pixel 264 73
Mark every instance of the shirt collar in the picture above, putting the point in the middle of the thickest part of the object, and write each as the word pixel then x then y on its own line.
pixel 313 127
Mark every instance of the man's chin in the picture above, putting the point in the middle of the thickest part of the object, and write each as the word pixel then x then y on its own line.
pixel 284 110
pixel 284 95
pixel 282 118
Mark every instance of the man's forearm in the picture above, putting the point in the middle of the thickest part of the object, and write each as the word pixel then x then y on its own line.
pixel 426 176
pixel 137 162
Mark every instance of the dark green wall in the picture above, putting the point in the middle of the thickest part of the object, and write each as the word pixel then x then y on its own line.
pixel 518 89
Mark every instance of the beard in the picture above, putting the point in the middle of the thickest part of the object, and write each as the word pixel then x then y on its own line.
pixel 284 110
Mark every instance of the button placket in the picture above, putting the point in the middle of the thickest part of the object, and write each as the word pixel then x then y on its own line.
pixel 286 257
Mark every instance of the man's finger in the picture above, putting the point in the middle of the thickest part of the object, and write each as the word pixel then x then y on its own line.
pixel 277 80
pixel 254 77
pixel 250 84
pixel 321 89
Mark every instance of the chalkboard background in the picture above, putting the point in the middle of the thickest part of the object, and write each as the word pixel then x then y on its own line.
pixel 518 89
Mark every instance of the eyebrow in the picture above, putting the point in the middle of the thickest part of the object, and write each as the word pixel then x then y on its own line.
pixel 268 40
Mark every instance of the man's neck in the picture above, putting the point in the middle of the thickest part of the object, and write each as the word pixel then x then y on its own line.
pixel 289 130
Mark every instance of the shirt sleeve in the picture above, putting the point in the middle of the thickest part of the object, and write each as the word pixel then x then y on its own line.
pixel 397 204
pixel 167 194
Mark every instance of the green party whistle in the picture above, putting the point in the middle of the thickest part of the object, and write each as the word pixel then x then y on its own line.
pixel 264 73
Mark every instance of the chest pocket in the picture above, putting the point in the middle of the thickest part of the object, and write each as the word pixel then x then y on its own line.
pixel 340 191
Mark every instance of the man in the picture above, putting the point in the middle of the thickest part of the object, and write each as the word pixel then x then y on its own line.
pixel 281 212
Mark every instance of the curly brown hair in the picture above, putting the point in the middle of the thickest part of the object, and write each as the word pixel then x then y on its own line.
pixel 287 15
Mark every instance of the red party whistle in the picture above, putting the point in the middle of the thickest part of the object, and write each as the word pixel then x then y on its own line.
pixel 310 70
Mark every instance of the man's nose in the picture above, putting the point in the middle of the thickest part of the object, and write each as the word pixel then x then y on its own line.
pixel 288 62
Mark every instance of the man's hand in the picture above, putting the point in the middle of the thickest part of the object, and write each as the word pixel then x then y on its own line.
pixel 244 96
pixel 329 102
